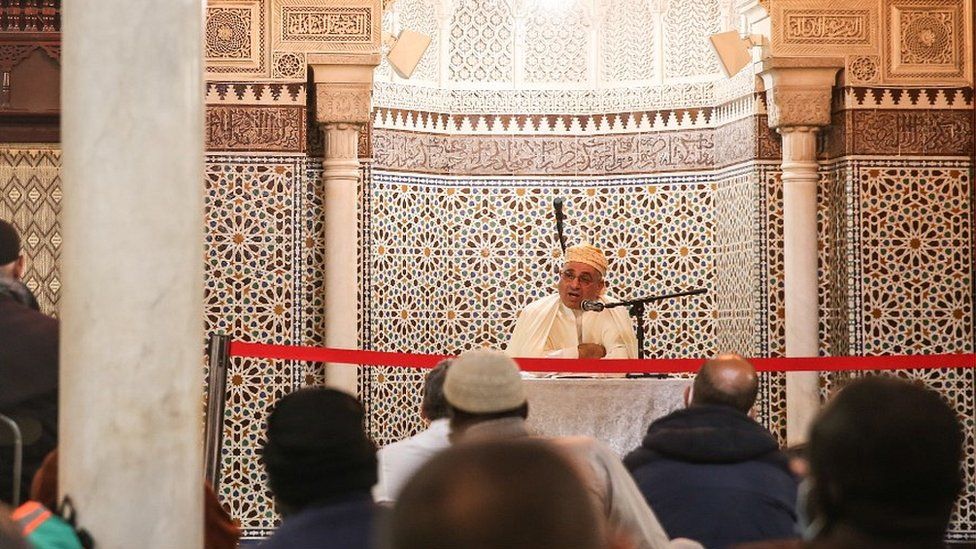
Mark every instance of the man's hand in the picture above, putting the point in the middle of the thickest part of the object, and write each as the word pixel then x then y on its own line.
pixel 591 350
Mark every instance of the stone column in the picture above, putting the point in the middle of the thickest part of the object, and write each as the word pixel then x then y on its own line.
pixel 132 266
pixel 798 92
pixel 343 85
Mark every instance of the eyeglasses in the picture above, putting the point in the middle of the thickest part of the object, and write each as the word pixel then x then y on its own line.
pixel 584 279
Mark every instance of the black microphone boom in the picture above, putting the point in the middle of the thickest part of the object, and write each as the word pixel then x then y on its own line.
pixel 597 306
pixel 557 206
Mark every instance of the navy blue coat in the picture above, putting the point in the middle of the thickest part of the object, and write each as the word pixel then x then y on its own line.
pixel 346 523
pixel 712 474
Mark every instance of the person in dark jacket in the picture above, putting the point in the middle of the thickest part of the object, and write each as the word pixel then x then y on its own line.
pixel 712 473
pixel 321 466
pixel 28 370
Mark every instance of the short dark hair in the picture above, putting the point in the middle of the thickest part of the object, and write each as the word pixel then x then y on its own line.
pixel 885 459
pixel 316 448
pixel 461 419
pixel 707 391
pixel 512 494
pixel 434 405
pixel 9 243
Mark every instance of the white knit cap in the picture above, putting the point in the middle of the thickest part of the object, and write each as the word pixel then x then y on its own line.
pixel 484 381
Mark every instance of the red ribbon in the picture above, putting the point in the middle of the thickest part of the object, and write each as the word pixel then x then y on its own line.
pixel 620 366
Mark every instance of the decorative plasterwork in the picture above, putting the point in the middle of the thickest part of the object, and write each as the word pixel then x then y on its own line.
pixel 255 128
pixel 798 106
pixel 509 124
pixel 507 156
pixel 343 85
pixel 564 101
pixel 328 26
pixel 863 69
pixel 905 99
pixel 235 38
pixel 811 27
pixel 255 93
pixel 798 90
pixel 928 39
pixel 341 103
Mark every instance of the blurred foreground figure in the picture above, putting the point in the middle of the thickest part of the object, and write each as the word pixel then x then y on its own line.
pixel 884 469
pixel 513 494
pixel 321 467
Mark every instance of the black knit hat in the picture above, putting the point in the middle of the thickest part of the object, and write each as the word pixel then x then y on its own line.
pixel 9 243
pixel 316 448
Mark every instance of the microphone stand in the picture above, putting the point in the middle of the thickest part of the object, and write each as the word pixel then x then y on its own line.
pixel 636 308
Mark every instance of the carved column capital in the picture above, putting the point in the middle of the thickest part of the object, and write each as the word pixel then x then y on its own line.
pixel 798 90
pixel 343 87
pixel 342 104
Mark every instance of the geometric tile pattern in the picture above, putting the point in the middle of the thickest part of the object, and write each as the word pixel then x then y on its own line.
pixel 263 270
pixel 913 266
pixel 30 199
pixel 491 247
pixel 915 258
pixel 897 278
pixel 749 283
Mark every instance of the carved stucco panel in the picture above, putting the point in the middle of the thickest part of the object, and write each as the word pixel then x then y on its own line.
pixel 811 27
pixel 928 39
pixel 326 26
pixel 335 103
pixel 798 106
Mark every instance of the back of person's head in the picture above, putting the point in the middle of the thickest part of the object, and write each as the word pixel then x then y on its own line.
pixel 484 384
pixel 316 448
pixel 434 405
pixel 515 494
pixel 726 380
pixel 885 460
pixel 9 249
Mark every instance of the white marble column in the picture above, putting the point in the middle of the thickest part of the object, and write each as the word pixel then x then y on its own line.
pixel 341 180
pixel 800 273
pixel 798 92
pixel 343 87
pixel 132 267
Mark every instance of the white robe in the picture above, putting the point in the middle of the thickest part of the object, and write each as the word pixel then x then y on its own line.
pixel 547 328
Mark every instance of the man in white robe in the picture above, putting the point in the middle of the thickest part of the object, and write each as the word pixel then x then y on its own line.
pixel 556 326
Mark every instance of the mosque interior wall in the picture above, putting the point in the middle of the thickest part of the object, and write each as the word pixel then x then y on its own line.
pixel 666 165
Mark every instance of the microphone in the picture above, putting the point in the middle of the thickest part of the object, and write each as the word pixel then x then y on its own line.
pixel 595 306
pixel 557 206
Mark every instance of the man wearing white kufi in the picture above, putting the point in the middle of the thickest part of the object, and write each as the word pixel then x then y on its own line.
pixel 556 326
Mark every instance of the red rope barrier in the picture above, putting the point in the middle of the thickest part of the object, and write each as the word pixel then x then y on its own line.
pixel 646 366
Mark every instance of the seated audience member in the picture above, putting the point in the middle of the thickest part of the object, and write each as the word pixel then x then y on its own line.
pixel 885 458
pixel 486 399
pixel 711 472
pixel 321 466
pixel 510 494
pixel 28 369
pixel 398 461
pixel 219 531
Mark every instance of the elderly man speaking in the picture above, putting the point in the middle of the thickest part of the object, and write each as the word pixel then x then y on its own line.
pixel 556 326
